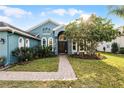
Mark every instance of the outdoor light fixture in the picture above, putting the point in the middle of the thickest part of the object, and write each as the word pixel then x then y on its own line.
pixel 53 33
pixel 2 41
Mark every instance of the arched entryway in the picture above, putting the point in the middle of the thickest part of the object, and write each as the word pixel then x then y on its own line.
pixel 62 43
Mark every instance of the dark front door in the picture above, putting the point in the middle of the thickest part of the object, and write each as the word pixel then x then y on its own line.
pixel 62 48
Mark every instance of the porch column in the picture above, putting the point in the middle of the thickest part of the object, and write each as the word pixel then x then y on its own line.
pixel 56 45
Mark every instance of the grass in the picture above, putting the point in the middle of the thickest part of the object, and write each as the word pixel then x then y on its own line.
pixel 39 65
pixel 100 73
pixel 91 73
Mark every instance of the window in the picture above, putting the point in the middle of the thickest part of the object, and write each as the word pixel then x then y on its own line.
pixel 20 42
pixel 44 41
pixel 74 45
pixel 50 41
pixel 46 28
pixel 43 29
pixel 62 37
pixel 27 43
pixel 81 48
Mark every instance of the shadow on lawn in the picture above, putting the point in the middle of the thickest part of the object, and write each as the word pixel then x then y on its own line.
pixel 96 73
pixel 114 55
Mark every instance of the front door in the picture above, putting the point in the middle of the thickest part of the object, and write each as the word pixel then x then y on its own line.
pixel 62 48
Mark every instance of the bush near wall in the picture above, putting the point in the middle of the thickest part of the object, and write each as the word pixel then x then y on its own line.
pixel 23 54
pixel 121 50
pixel 27 54
pixel 2 59
pixel 115 48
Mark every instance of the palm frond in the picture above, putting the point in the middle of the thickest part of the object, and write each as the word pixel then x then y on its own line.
pixel 116 10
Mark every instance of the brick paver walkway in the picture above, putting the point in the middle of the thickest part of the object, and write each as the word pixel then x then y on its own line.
pixel 65 72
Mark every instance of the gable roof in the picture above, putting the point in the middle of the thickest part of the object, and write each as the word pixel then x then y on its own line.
pixel 7 27
pixel 48 20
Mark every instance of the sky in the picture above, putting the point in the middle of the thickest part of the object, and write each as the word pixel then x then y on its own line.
pixel 26 16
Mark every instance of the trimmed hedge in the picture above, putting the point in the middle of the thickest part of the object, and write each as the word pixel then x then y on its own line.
pixel 121 50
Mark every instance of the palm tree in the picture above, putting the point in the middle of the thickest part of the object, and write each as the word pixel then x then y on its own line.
pixel 117 10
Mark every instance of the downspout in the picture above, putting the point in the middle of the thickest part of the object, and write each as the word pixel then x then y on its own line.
pixel 8 54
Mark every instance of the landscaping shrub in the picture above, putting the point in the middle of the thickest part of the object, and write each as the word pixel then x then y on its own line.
pixel 115 48
pixel 2 59
pixel 23 54
pixel 26 54
pixel 46 51
pixel 82 55
pixel 121 50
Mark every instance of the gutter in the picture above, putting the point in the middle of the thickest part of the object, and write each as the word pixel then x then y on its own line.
pixel 9 29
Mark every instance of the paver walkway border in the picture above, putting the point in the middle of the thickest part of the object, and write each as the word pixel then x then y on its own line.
pixel 65 72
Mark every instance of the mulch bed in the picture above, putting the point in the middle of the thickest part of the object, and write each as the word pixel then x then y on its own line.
pixel 86 56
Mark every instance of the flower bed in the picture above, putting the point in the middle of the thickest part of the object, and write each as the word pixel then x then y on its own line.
pixel 96 56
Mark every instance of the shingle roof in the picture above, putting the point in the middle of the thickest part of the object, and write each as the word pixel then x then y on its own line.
pixel 19 31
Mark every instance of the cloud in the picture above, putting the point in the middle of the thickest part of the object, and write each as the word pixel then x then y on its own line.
pixel 85 16
pixel 59 11
pixel 43 14
pixel 5 19
pixel 62 12
pixel 15 12
pixel 73 11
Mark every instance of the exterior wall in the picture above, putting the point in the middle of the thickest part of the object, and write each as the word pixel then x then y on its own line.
pixel 34 42
pixel 47 34
pixel 107 45
pixel 39 30
pixel 11 43
pixel 3 47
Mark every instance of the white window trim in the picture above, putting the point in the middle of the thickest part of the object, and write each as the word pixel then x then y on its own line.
pixel 27 44
pixel 22 43
pixel 42 40
pixel 52 42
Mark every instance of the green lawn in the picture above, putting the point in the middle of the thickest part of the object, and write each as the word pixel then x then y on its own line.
pixel 39 65
pixel 90 73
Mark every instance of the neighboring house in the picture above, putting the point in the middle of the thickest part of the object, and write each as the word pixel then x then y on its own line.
pixel 47 33
pixel 12 38
pixel 107 45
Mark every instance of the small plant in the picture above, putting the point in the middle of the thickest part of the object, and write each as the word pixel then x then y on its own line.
pixel 104 49
pixel 2 59
pixel 121 50
pixel 115 48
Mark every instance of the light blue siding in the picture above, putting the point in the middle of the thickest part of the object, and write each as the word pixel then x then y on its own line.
pixel 3 47
pixel 34 42
pixel 11 43
pixel 39 30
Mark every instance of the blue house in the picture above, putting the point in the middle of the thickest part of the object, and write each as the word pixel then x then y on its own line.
pixel 12 38
pixel 47 33
pixel 52 33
